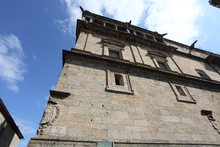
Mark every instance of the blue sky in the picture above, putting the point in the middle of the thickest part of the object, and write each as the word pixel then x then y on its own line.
pixel 33 34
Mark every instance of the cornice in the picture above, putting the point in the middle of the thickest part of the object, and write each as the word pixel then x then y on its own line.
pixel 128 37
pixel 170 74
pixel 135 38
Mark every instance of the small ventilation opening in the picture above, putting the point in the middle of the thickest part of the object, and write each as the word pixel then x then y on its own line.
pixel 206 112
pixel 119 80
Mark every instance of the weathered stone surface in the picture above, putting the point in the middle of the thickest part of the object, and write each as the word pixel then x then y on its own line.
pixel 144 110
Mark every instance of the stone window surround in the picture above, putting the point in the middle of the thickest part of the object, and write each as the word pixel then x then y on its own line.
pixel 112 87
pixel 181 98
pixel 159 57
pixel 112 45
pixel 164 61
pixel 202 74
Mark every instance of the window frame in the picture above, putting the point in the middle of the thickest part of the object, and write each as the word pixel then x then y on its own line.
pixel 202 74
pixel 187 98
pixel 111 85
pixel 112 45
pixel 119 79
pixel 119 56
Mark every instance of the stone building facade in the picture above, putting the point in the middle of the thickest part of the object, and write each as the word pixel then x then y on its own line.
pixel 125 86
pixel 9 132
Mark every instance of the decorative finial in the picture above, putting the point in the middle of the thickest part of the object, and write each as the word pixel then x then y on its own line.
pixel 193 44
pixel 164 34
pixel 81 8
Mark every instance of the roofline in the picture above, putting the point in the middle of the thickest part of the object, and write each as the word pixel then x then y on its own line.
pixel 9 119
pixel 149 31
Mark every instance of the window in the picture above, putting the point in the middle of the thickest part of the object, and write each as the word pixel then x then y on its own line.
pixel 202 74
pixel 162 63
pixel 160 59
pixel 122 28
pixel 98 22
pixel 159 40
pixel 182 93
pixel 109 25
pixel 180 90
pixel 139 34
pixel 149 37
pixel 114 54
pixel 113 48
pixel 119 80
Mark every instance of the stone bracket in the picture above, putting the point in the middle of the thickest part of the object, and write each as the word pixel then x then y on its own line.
pixel 59 94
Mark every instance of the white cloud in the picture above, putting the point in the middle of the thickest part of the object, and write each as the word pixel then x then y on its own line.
pixel 177 18
pixel 125 11
pixel 24 125
pixel 11 61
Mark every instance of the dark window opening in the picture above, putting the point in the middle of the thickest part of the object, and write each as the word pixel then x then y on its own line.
pixel 109 25
pixel 206 112
pixel 87 19
pixel 163 65
pixel 180 90
pixel 122 28
pixel 202 74
pixel 114 54
pixel 149 37
pixel 159 40
pixel 98 22
pixel 131 31
pixel 140 34
pixel 119 80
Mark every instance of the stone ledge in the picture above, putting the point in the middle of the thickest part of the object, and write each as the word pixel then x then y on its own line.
pixel 76 52
pixel 45 140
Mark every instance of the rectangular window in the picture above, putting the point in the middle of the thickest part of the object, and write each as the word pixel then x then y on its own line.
pixel 98 22
pixel 149 37
pixel 114 54
pixel 140 34
pixel 182 93
pixel 122 28
pixel 159 40
pixel 180 90
pixel 109 25
pixel 119 80
pixel 202 74
pixel 163 65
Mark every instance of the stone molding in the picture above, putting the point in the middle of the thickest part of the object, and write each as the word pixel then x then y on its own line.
pixel 68 55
